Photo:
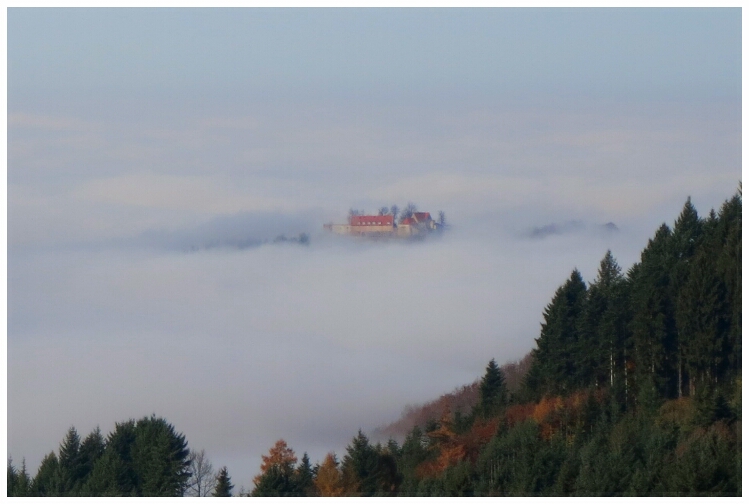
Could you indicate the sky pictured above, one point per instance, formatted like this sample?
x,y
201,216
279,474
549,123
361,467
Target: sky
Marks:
x,y
154,155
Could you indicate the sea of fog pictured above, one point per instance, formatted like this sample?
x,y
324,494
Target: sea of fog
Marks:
x,y
239,346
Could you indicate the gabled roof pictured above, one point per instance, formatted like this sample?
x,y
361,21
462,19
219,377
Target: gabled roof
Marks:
x,y
422,216
410,221
371,220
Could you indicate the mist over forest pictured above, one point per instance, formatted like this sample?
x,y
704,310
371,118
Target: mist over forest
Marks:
x,y
160,180
301,342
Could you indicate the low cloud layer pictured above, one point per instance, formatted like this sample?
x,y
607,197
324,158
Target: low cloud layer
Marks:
x,y
240,347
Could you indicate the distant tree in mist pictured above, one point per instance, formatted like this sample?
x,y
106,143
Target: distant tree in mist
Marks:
x,y
441,219
408,211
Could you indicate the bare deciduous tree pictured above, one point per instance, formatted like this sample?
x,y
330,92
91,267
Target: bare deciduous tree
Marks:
x,y
203,480
409,211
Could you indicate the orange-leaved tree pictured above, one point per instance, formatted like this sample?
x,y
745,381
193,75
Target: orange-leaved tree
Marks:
x,y
280,457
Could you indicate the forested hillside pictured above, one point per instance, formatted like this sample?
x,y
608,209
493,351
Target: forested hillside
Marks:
x,y
460,402
634,388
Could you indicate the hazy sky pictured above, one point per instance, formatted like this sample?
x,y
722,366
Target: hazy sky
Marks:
x,y
146,146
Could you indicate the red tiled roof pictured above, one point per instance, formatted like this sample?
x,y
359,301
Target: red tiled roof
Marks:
x,y
371,220
408,221
422,216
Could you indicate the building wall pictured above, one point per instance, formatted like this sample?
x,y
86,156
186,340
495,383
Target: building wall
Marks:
x,y
347,229
405,230
381,225
371,229
371,220
341,229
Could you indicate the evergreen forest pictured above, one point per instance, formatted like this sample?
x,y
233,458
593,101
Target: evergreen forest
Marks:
x,y
633,389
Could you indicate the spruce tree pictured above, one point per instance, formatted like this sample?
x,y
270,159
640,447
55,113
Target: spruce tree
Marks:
x,y
557,355
23,483
492,390
368,470
223,484
12,478
728,265
359,466
275,482
47,483
160,458
92,449
303,477
684,243
653,325
70,466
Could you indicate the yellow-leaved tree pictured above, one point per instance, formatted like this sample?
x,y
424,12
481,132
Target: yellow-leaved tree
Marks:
x,y
328,481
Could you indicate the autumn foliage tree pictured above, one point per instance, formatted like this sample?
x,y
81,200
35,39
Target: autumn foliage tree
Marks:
x,y
276,472
328,481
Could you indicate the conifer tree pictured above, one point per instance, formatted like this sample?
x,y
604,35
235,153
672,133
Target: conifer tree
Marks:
x,y
12,477
274,482
70,466
46,483
143,458
369,470
23,483
109,477
602,342
412,453
303,477
92,449
653,325
276,472
557,354
728,265
492,390
160,458
684,243
223,484
359,467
